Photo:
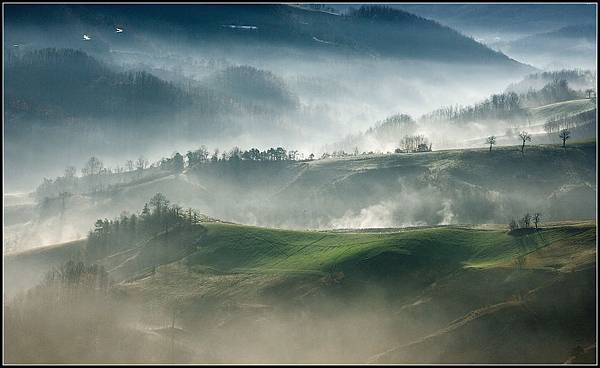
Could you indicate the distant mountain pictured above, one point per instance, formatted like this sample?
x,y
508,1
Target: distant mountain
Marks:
x,y
577,33
370,31
573,46
504,18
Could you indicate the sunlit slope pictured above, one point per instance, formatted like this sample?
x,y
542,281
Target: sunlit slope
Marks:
x,y
456,293
571,107
223,248
418,256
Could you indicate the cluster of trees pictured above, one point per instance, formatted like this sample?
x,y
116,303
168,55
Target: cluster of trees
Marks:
x,y
414,143
320,7
579,79
504,106
158,215
73,274
95,177
383,12
385,132
175,163
556,91
339,154
526,222
398,125
508,106
202,155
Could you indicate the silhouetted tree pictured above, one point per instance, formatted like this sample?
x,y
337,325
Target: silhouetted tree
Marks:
x,y
590,92
524,138
525,221
564,135
537,217
141,163
491,140
92,166
215,155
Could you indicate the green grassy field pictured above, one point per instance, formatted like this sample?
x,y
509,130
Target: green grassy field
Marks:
x,y
433,288
421,294
232,248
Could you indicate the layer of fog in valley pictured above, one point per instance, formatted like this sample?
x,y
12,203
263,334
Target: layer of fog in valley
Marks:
x,y
140,95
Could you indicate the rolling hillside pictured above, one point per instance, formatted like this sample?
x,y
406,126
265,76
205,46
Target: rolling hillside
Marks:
x,y
580,113
572,107
386,190
436,290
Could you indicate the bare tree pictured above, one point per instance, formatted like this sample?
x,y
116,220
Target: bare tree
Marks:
x,y
92,167
525,221
129,165
141,163
590,92
524,137
564,135
70,172
491,140
536,219
215,155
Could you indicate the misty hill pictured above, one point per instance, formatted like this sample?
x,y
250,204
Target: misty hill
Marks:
x,y
585,32
504,18
555,105
576,79
370,31
250,85
440,187
434,294
570,46
58,84
55,96
386,135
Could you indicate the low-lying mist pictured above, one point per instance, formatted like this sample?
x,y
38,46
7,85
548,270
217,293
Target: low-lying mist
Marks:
x,y
334,97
